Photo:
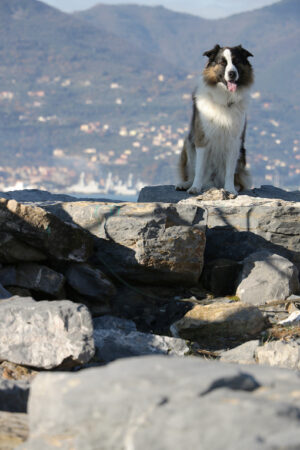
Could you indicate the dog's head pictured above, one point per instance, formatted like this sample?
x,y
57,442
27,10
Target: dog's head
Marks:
x,y
228,66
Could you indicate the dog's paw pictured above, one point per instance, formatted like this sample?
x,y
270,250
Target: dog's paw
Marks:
x,y
194,190
183,186
231,190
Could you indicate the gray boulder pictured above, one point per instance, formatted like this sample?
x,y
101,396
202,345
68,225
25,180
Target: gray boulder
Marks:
x,y
280,354
165,403
13,429
33,276
13,250
242,354
266,277
45,231
90,282
147,243
116,339
219,320
265,218
45,334
14,395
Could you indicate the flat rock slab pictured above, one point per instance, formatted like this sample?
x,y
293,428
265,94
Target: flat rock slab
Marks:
x,y
45,334
33,276
266,277
261,218
219,319
242,354
116,339
280,354
158,403
44,231
143,242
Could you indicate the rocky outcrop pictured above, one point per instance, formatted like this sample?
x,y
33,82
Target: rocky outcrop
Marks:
x,y
159,402
265,277
45,334
219,319
262,218
118,338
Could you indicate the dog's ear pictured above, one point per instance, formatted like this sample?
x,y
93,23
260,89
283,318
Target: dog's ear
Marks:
x,y
244,52
212,53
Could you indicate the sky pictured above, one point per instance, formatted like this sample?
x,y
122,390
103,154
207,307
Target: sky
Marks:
x,y
212,9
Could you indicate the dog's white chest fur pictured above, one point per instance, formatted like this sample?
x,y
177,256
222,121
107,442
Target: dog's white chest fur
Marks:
x,y
222,117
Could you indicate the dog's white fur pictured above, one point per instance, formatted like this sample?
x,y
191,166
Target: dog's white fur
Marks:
x,y
223,116
223,126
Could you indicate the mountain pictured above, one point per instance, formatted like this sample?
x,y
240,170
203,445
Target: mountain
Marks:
x,y
271,33
36,39
107,99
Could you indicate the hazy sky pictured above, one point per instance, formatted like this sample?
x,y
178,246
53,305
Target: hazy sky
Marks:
x,y
205,8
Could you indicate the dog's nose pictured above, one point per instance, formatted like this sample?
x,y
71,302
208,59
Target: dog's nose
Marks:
x,y
232,74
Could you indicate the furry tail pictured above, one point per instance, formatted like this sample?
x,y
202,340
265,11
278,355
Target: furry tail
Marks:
x,y
182,166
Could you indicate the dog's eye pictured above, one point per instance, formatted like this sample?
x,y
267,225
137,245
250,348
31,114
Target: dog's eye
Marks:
x,y
223,61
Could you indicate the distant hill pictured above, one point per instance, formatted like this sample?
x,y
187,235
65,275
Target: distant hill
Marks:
x,y
107,92
271,33
36,39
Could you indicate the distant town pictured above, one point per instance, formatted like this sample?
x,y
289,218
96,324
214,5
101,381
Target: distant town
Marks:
x,y
122,158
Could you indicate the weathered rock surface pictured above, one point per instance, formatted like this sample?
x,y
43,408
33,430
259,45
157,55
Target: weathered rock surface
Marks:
x,y
12,250
267,277
158,403
242,354
90,282
280,354
44,231
219,319
261,218
13,429
118,339
146,243
33,276
45,334
14,395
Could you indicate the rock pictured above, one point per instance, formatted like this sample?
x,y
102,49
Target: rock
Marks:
x,y
14,395
33,276
266,277
168,194
242,354
219,276
280,354
12,250
20,292
292,319
121,341
265,218
11,371
44,231
45,334
90,282
14,429
219,319
142,242
158,403
4,293
108,322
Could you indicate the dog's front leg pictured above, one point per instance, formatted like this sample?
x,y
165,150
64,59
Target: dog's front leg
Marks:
x,y
231,162
199,171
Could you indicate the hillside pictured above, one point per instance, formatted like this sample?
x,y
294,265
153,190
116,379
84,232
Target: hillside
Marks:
x,y
271,33
78,100
36,39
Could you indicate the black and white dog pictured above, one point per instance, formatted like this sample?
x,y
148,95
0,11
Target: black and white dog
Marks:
x,y
213,154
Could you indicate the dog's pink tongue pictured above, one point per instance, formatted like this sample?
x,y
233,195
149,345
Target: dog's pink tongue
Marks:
x,y
231,86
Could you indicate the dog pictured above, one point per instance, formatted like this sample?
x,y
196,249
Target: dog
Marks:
x,y
213,153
